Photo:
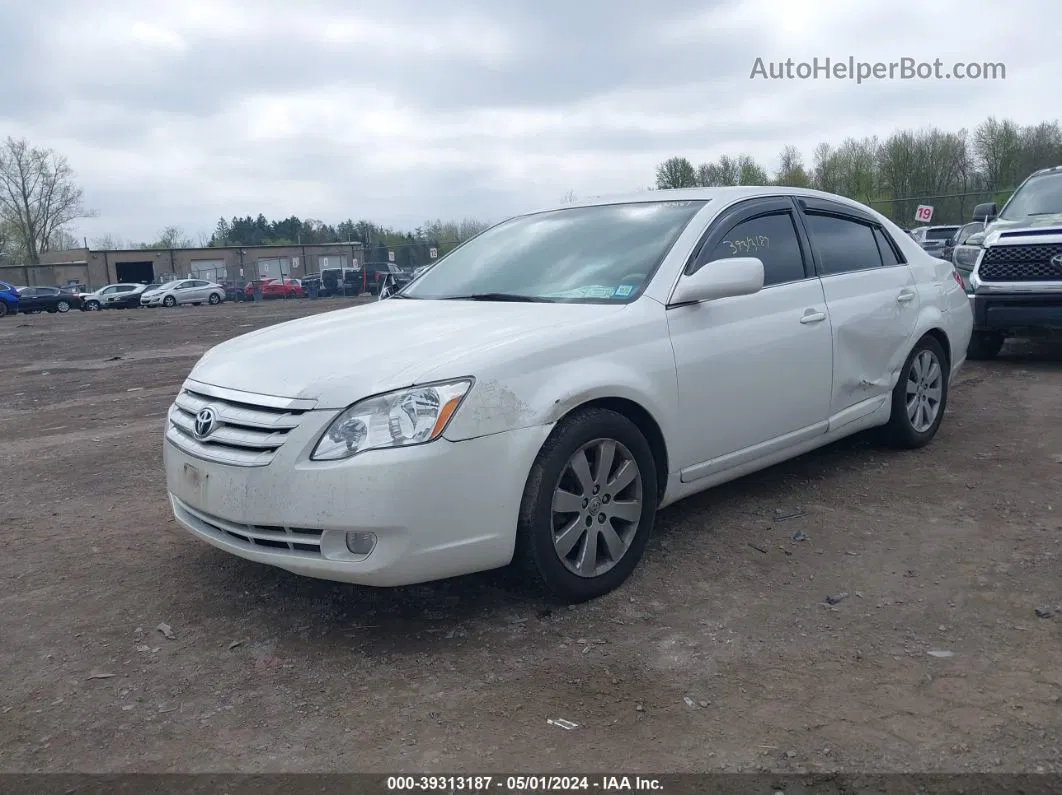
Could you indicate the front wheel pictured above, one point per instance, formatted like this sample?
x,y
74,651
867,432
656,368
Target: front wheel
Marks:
x,y
169,301
919,397
62,306
588,507
214,299
92,306
985,345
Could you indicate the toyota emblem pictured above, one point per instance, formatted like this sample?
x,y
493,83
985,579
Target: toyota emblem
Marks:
x,y
1057,260
205,422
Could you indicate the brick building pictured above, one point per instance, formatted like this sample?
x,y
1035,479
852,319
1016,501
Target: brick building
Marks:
x,y
95,269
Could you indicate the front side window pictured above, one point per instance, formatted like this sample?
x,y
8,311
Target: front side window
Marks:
x,y
770,238
605,253
1038,196
966,231
843,244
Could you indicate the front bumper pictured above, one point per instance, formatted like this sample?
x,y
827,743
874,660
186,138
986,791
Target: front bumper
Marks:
x,y
437,510
1004,311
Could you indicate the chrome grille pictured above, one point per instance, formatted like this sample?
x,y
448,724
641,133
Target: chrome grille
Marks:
x,y
1024,263
263,538
249,428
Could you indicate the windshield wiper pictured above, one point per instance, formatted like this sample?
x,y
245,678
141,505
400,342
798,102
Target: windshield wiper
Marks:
x,y
528,299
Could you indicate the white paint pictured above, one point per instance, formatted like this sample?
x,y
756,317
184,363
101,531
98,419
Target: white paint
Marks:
x,y
735,384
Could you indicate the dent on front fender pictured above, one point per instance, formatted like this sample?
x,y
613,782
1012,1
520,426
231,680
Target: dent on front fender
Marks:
x,y
490,407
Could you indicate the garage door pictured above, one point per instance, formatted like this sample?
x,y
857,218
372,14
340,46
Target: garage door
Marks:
x,y
212,270
274,267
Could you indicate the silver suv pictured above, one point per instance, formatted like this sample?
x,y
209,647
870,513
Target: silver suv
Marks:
x,y
1015,279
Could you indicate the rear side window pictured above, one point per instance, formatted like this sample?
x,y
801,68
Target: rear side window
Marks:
x,y
886,247
844,245
771,238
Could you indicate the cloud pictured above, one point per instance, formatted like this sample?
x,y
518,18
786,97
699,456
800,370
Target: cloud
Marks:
x,y
397,111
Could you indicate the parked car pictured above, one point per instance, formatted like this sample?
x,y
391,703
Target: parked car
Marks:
x,y
1013,269
47,299
559,378
113,296
959,238
933,238
275,288
8,299
184,291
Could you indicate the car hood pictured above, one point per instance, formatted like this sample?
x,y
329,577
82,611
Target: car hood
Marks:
x,y
342,356
1029,222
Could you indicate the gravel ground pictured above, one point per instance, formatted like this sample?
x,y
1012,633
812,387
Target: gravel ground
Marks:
x,y
722,653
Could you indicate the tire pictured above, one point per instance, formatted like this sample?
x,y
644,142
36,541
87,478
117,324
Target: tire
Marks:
x,y
92,306
918,382
169,301
985,345
537,555
3,308
214,299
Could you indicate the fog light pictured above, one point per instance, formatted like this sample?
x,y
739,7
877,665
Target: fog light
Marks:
x,y
361,543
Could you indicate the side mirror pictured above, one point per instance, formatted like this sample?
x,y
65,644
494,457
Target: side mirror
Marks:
x,y
985,212
721,278
949,242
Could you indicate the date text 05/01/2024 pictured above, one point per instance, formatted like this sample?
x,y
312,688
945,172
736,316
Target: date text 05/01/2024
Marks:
x,y
474,784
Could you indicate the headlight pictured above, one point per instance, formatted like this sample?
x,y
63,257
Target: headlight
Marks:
x,y
397,419
965,255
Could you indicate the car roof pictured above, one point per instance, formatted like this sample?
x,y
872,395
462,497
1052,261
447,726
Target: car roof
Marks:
x,y
723,194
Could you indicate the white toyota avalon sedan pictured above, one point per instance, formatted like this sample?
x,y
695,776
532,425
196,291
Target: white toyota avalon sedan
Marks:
x,y
543,389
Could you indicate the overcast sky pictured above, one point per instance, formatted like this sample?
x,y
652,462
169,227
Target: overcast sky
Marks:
x,y
403,110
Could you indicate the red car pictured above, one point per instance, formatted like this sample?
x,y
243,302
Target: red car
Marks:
x,y
275,288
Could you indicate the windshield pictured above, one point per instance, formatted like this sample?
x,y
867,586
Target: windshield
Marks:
x,y
1038,196
605,253
941,232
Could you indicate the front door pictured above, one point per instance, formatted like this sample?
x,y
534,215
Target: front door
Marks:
x,y
755,371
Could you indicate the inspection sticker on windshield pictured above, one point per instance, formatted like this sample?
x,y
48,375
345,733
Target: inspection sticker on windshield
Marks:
x,y
599,292
623,290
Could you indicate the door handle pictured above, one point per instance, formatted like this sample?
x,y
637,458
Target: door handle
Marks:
x,y
905,296
811,316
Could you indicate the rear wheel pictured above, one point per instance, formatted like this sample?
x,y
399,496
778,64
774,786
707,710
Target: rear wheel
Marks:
x,y
985,345
588,507
919,397
3,308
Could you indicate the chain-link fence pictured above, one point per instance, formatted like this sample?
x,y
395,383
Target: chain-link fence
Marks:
x,y
948,208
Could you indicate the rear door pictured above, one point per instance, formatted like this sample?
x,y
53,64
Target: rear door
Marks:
x,y
873,299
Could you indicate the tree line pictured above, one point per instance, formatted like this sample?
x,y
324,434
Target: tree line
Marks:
x,y
409,248
952,171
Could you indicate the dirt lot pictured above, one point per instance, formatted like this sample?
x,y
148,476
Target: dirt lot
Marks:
x,y
952,548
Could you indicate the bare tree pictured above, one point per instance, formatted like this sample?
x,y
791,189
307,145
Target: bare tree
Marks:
x,y
569,198
676,172
38,196
171,237
791,171
997,145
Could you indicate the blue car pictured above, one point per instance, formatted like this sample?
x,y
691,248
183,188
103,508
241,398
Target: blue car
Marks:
x,y
8,299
